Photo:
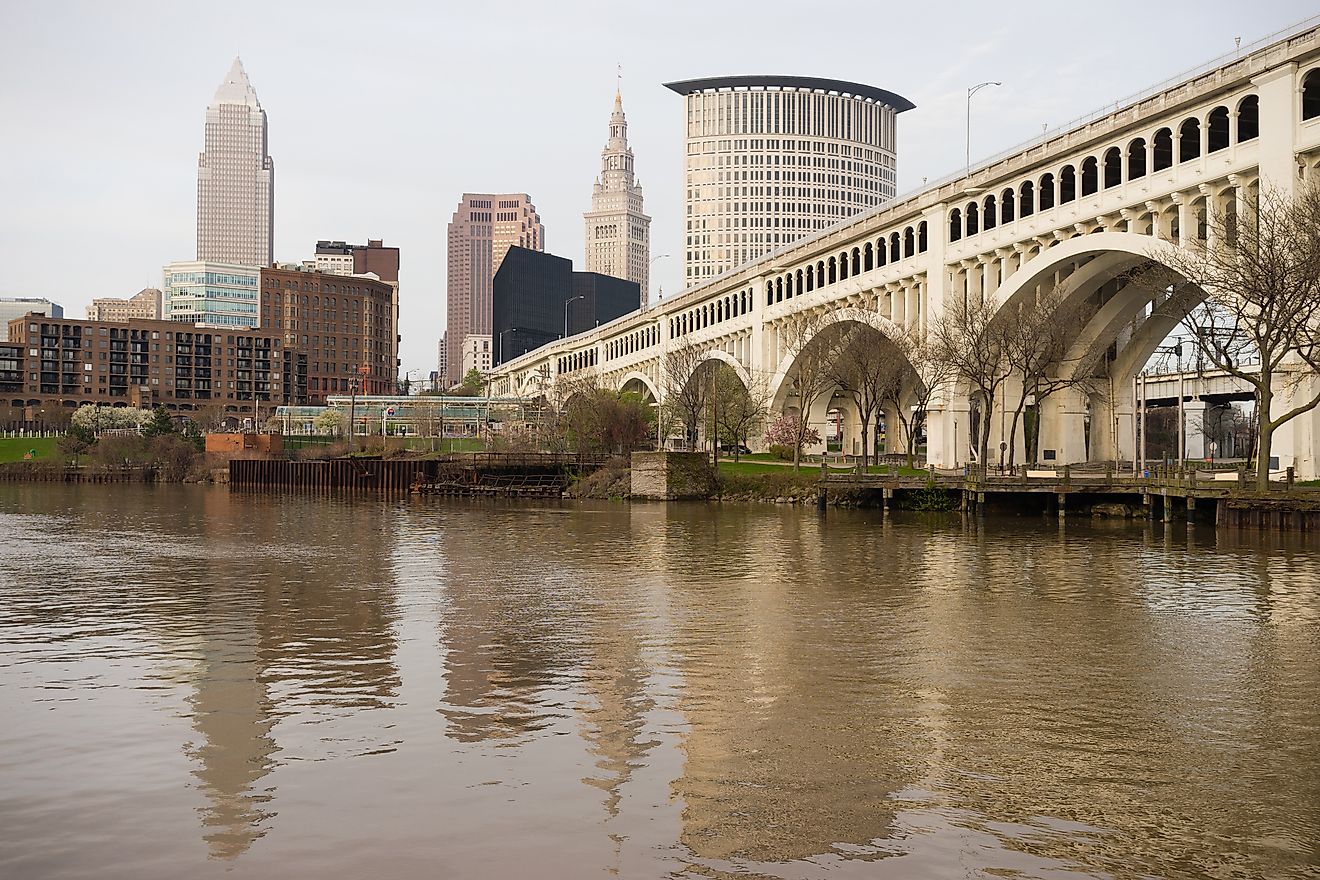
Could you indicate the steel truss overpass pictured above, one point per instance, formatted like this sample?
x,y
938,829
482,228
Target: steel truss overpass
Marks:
x,y
1082,205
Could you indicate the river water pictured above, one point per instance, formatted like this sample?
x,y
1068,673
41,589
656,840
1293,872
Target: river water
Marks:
x,y
195,683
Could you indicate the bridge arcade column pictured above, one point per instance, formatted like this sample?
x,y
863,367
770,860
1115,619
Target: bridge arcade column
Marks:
x,y
1277,89
1180,201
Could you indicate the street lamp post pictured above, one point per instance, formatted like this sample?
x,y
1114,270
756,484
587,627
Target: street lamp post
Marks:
x,y
972,91
646,294
352,407
567,303
500,348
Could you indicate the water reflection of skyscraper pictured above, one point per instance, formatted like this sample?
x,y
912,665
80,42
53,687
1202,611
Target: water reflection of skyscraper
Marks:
x,y
504,645
790,753
284,639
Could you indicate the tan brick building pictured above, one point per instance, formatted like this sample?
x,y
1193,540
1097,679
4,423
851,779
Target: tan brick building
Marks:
x,y
145,305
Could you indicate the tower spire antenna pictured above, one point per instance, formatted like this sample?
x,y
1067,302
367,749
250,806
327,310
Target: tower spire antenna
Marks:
x,y
618,80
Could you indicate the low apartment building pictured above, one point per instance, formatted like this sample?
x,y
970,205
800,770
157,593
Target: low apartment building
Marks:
x,y
68,362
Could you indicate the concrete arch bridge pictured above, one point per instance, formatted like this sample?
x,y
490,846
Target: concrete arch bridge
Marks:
x,y
1075,210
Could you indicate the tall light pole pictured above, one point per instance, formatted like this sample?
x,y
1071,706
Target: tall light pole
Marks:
x,y
972,91
501,345
646,294
567,303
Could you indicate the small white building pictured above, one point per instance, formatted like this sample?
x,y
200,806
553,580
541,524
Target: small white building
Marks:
x,y
476,353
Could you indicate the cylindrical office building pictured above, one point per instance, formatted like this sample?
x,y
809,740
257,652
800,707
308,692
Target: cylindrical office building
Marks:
x,y
772,159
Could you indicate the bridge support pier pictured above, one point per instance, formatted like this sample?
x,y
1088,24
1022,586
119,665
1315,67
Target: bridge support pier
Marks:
x,y
1063,426
1063,504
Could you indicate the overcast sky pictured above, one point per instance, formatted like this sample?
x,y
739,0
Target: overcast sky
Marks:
x,y
382,114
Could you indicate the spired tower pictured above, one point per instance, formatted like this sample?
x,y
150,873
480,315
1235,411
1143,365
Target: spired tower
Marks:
x,y
618,233
236,178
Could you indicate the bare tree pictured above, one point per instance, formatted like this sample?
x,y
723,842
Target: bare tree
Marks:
x,y
684,399
805,345
871,370
928,372
737,408
975,345
1037,336
1260,322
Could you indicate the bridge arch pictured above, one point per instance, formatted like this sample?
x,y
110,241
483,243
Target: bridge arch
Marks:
x,y
639,382
829,323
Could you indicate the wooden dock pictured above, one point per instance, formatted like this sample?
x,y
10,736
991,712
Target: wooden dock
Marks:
x,y
1224,497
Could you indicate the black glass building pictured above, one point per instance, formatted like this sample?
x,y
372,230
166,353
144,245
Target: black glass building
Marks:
x,y
536,297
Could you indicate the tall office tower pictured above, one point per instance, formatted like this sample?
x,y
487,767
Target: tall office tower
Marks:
x,y
772,159
235,179
483,229
618,233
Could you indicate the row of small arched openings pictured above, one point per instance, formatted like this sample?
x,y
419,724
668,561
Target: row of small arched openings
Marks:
x,y
711,313
633,342
578,360
1106,171
872,255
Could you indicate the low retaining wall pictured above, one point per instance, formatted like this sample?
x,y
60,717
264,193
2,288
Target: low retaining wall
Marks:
x,y
395,476
671,476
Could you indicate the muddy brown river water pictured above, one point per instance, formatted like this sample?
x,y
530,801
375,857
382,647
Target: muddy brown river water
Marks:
x,y
195,683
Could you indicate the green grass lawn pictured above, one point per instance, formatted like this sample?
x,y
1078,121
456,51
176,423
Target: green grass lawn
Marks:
x,y
14,448
766,464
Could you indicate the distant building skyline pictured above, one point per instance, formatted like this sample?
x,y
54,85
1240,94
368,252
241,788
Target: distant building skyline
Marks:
x,y
483,228
236,178
145,305
17,306
618,232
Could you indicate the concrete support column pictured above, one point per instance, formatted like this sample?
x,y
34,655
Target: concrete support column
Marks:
x,y
1277,89
1194,416
1294,440
895,436
946,430
1063,426
1212,213
852,428
1181,202
816,418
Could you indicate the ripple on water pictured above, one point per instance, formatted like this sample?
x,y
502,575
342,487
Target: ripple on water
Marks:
x,y
214,684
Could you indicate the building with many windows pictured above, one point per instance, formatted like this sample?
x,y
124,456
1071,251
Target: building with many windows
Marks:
x,y
67,362
772,159
236,178
342,325
476,354
145,305
538,298
16,307
482,230
215,294
372,258
618,234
